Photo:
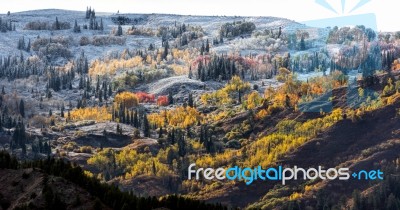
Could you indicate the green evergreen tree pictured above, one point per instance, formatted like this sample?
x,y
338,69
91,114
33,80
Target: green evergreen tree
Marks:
x,y
101,25
302,43
170,98
119,129
160,132
28,47
190,72
119,30
165,53
190,100
136,120
181,145
393,203
77,28
154,168
146,126
58,27
207,46
22,108
62,110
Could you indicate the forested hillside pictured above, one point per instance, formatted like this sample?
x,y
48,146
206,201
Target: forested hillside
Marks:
x,y
117,106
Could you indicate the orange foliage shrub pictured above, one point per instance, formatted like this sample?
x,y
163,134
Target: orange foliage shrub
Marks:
x,y
396,65
262,114
127,99
162,101
145,97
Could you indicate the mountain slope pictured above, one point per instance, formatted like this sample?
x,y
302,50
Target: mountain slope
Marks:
x,y
35,189
358,145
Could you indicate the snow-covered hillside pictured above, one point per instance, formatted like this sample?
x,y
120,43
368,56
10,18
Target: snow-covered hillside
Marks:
x,y
210,25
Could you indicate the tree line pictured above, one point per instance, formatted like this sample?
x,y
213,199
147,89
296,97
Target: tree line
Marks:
x,y
109,195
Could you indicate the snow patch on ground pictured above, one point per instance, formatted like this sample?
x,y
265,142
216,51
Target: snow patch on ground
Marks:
x,y
163,86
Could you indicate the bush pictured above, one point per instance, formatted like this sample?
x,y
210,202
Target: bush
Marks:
x,y
255,87
108,40
141,31
39,121
39,25
137,76
70,146
145,97
136,133
121,20
125,80
40,42
43,42
36,25
84,41
162,101
54,51
236,29
85,149
234,144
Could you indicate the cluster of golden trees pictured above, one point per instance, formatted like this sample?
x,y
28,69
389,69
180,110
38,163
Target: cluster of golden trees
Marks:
x,y
290,94
253,100
268,149
180,58
129,163
181,117
233,91
111,66
127,99
293,91
90,113
289,136
218,160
